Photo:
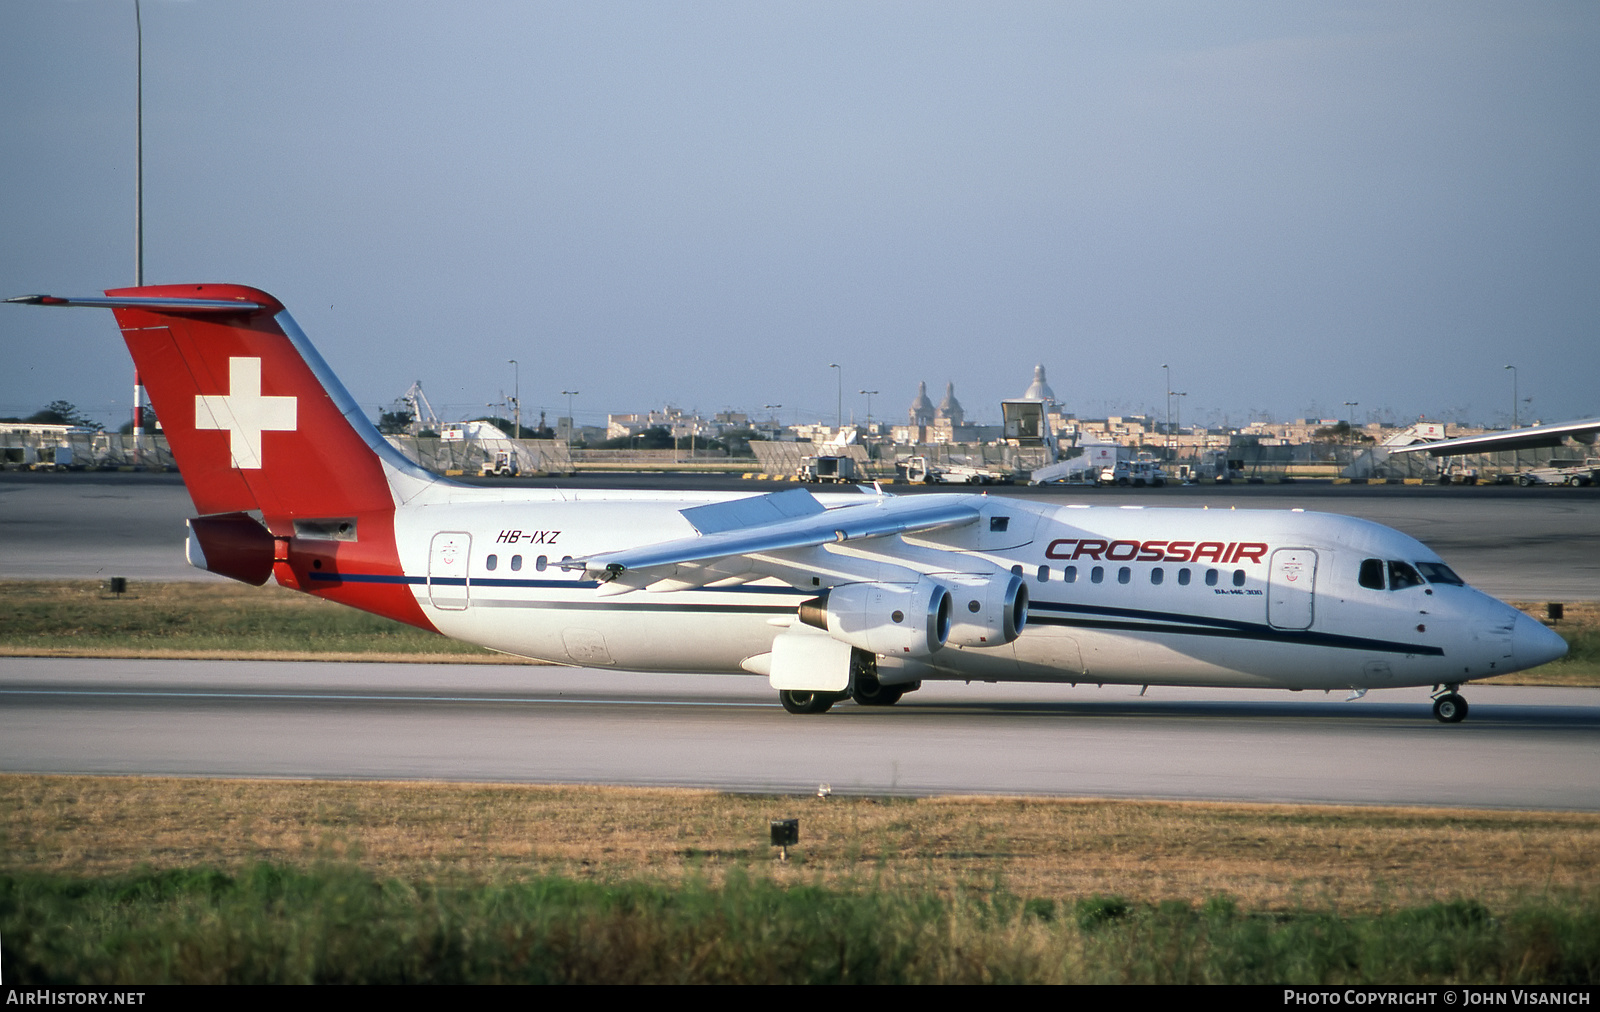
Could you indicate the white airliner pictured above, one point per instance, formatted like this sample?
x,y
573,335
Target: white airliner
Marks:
x,y
1583,431
863,596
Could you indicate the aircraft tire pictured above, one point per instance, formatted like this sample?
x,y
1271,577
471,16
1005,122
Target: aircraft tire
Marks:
x,y
885,695
1450,708
865,688
796,701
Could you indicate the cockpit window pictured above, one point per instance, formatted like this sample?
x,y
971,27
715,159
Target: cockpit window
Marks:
x,y
1401,576
1372,574
1438,572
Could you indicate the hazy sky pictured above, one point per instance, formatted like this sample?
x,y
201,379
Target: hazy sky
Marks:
x,y
1294,205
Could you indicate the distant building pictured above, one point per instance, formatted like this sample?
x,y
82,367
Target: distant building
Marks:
x,y
1039,390
949,410
922,410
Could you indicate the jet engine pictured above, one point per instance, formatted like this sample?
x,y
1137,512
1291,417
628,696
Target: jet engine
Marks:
x,y
899,619
989,611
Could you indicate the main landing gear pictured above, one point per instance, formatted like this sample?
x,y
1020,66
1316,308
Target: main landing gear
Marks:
x,y
865,689
1449,706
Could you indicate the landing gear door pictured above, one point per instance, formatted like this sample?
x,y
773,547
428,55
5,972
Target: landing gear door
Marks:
x,y
1290,582
447,570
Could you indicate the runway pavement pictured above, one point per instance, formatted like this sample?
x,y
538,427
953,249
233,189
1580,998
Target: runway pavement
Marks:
x,y
1520,748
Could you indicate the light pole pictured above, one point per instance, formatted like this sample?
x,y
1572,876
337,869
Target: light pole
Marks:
x,y
838,417
571,421
138,207
1168,370
1513,369
869,394
1350,433
516,401
1178,429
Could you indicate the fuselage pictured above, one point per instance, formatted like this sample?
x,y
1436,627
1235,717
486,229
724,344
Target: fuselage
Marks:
x,y
1117,594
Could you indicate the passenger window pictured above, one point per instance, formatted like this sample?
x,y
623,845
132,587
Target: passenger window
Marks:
x,y
1183,577
491,562
1211,578
1238,578
540,563
516,563
1124,574
1017,569
1044,574
1097,575
1156,576
1372,574
1070,574
1401,576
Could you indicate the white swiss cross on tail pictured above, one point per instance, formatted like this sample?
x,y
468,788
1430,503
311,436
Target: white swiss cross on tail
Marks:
x,y
244,412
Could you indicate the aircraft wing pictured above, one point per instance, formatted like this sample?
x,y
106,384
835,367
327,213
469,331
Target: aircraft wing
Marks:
x,y
1583,431
736,535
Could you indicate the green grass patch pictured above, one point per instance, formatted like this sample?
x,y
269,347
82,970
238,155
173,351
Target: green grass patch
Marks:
x,y
1581,666
199,619
271,924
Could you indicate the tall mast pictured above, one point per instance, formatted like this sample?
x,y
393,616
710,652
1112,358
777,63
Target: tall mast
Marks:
x,y
138,203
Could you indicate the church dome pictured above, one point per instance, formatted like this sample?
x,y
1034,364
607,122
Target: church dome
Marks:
x,y
1039,390
922,408
950,407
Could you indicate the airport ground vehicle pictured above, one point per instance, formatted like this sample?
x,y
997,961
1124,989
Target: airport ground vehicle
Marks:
x,y
1560,471
828,468
503,465
1134,473
919,470
858,595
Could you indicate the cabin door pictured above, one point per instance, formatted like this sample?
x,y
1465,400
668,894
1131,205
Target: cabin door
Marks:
x,y
447,570
1291,601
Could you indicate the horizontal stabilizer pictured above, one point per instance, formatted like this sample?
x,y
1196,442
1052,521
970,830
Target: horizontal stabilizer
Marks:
x,y
166,305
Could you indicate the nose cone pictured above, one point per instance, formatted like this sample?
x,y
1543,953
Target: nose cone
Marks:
x,y
1532,644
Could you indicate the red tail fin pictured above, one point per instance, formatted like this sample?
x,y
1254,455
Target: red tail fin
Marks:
x,y
251,423
259,424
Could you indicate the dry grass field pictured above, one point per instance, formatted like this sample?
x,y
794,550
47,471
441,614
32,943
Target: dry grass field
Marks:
x,y
1263,857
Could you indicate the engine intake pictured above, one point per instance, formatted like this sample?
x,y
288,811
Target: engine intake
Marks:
x,y
898,619
989,611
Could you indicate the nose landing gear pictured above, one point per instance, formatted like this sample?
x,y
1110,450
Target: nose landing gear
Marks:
x,y
1449,707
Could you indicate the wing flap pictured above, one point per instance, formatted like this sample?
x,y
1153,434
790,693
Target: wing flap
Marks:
x,y
755,511
743,551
